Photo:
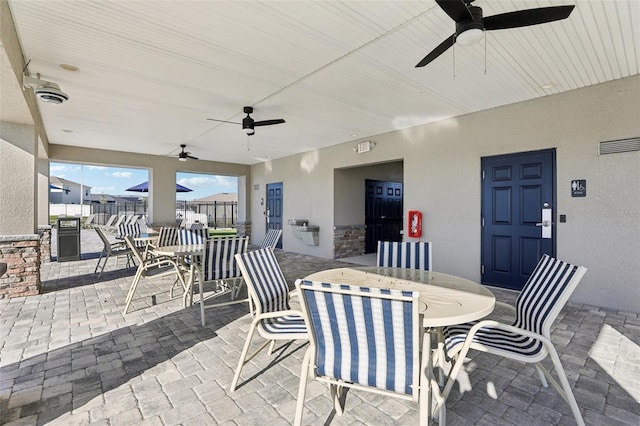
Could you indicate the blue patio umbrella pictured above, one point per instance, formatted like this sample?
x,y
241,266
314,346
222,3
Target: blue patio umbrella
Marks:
x,y
51,186
144,187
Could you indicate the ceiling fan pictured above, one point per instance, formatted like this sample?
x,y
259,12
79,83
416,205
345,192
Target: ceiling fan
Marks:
x,y
184,155
470,24
248,123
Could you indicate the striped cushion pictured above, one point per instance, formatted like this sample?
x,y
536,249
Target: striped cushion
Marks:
x,y
219,261
265,280
168,236
538,305
271,239
408,254
286,324
193,236
363,338
133,230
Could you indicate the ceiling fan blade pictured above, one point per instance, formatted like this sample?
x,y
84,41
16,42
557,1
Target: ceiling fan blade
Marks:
x,y
192,157
456,9
442,47
268,122
523,18
223,121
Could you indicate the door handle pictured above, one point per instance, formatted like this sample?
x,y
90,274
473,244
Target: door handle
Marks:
x,y
545,224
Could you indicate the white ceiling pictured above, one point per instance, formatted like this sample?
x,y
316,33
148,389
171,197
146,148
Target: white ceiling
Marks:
x,y
151,72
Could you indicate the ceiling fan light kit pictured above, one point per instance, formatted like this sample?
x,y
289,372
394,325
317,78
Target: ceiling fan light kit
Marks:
x,y
184,155
248,123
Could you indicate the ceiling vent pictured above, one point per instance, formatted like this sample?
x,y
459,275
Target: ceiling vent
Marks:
x,y
618,146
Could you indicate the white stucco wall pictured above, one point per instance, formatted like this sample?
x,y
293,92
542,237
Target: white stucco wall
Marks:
x,y
18,177
442,179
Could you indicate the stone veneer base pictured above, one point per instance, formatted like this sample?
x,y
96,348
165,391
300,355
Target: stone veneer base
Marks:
x,y
21,253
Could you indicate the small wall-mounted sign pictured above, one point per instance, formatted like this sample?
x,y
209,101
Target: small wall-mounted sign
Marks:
x,y
579,188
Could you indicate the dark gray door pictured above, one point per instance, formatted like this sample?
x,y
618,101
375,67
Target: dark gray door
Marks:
x,y
383,213
274,208
516,189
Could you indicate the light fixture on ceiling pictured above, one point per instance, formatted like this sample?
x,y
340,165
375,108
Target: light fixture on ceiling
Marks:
x,y
46,91
547,86
68,67
182,157
248,130
470,36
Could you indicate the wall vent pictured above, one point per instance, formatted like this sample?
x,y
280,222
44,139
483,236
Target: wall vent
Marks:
x,y
620,145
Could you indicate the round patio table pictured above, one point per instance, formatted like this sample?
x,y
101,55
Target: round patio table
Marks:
x,y
445,300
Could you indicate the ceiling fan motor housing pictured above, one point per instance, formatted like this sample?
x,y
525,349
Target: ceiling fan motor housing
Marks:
x,y
476,23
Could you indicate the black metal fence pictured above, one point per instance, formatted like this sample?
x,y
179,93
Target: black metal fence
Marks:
x,y
216,214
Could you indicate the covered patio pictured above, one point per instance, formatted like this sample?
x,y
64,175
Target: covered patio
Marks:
x,y
69,356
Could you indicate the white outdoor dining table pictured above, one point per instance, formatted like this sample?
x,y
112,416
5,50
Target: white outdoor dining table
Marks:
x,y
445,300
180,252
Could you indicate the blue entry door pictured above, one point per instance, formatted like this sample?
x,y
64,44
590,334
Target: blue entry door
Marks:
x,y
274,208
518,196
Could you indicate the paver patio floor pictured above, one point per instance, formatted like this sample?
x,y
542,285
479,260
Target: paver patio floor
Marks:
x,y
69,356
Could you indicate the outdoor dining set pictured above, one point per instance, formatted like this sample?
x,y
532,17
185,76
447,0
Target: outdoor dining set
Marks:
x,y
399,328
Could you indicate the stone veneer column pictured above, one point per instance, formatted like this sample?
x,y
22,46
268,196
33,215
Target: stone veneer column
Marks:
x,y
45,243
349,240
21,253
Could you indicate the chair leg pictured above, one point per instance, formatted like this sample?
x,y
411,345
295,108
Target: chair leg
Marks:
x,y
335,396
565,391
200,279
98,264
106,259
133,287
543,379
302,388
243,356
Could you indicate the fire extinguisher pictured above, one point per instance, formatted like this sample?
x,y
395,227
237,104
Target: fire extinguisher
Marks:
x,y
415,224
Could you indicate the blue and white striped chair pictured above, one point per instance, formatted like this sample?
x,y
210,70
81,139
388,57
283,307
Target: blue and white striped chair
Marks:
x,y
193,236
362,338
131,230
528,339
219,266
168,237
271,239
274,319
407,254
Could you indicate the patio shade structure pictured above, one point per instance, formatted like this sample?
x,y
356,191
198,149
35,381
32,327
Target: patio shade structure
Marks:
x,y
144,187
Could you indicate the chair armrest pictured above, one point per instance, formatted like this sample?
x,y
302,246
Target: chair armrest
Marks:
x,y
277,314
506,327
505,305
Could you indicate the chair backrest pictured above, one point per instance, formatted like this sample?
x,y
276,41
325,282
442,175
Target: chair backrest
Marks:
x,y
219,260
367,336
197,225
271,239
545,294
135,250
168,236
265,281
132,230
407,254
105,241
111,220
193,236
89,219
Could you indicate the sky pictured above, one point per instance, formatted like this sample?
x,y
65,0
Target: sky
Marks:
x,y
115,180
